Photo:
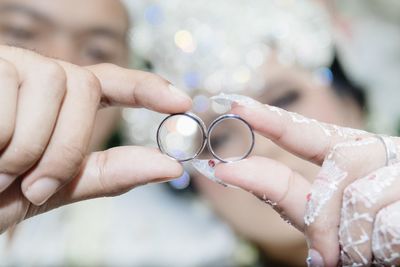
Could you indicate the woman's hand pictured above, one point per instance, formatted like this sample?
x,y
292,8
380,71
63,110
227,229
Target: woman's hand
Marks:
x,y
47,113
351,213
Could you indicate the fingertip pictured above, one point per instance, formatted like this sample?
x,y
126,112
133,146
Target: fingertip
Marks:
x,y
255,117
181,101
176,169
241,111
163,97
323,238
167,167
259,119
314,259
181,106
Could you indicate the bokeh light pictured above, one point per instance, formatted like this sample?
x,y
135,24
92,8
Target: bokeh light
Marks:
x,y
184,40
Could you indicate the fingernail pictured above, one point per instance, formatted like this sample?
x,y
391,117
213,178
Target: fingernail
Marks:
x,y
227,100
207,168
5,181
178,92
314,259
41,190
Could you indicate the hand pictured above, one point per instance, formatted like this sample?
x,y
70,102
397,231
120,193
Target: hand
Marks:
x,y
47,113
351,213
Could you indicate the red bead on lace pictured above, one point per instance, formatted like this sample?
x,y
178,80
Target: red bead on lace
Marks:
x,y
211,163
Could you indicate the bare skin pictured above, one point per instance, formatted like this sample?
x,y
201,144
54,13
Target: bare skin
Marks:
x,y
49,106
295,90
342,212
97,34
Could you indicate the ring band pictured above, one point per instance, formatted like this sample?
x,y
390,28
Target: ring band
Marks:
x,y
392,156
200,124
219,120
206,137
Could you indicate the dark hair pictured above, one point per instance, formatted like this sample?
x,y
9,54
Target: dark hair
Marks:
x,y
345,87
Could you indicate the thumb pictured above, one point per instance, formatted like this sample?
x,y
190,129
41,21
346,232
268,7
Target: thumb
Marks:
x,y
116,171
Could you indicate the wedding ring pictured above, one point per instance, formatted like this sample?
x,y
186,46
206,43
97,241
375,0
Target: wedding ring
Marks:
x,y
184,136
221,119
190,120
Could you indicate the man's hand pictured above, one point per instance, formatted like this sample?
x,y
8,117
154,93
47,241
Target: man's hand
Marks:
x,y
47,113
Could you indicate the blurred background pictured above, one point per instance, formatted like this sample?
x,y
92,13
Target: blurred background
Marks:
x,y
335,61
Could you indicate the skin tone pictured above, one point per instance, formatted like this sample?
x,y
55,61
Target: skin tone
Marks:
x,y
295,90
118,170
341,211
44,157
97,34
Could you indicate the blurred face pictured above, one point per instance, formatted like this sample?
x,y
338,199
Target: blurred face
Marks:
x,y
81,32
294,90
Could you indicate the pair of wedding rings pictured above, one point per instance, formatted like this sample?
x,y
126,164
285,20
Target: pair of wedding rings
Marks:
x,y
184,137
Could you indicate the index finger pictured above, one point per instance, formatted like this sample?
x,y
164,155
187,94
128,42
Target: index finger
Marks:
x,y
119,86
307,138
134,88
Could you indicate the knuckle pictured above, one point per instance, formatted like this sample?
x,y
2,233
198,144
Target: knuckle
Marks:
x,y
72,154
68,160
109,184
353,200
52,69
345,154
30,153
53,74
337,152
22,157
91,85
6,132
106,66
102,162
